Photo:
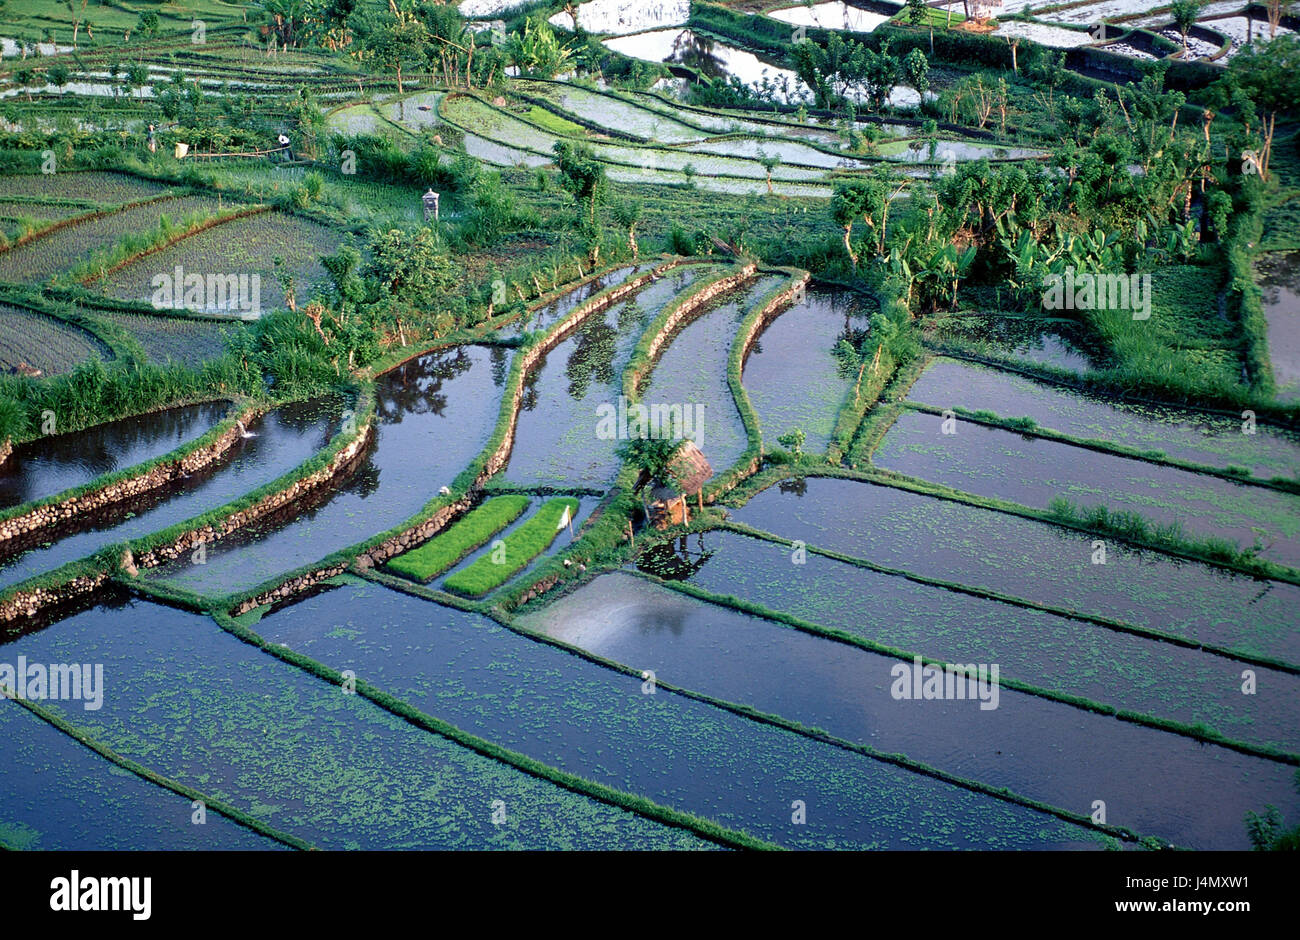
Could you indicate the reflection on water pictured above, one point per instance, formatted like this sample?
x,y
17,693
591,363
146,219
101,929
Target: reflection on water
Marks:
x,y
793,378
435,413
556,440
1279,279
49,465
1159,783
280,440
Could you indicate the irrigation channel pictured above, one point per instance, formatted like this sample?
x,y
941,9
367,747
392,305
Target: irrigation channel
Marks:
x,y
731,686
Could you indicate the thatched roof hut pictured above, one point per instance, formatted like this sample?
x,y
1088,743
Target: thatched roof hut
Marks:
x,y
690,471
688,465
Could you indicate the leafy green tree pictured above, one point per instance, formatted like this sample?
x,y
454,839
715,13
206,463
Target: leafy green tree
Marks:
x,y
137,76
58,75
396,41
652,456
537,51
880,73
1185,14
830,70
413,268
848,202
1268,77
582,175
770,162
916,68
146,24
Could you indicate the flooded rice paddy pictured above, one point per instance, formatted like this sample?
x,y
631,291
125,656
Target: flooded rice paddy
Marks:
x,y
335,770
558,440
1038,748
277,443
572,713
1211,439
781,690
992,462
792,378
1016,557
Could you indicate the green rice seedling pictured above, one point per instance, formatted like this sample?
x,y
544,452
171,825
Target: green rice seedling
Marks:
x,y
517,549
464,536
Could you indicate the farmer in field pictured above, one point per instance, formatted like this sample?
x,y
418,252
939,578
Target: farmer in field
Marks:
x,y
284,145
153,141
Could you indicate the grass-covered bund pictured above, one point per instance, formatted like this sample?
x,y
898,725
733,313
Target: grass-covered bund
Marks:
x,y
471,531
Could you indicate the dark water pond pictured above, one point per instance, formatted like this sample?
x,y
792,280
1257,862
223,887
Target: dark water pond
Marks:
x,y
792,378
1057,344
1033,471
557,441
1216,440
1158,783
1279,279
284,438
49,465
435,414
200,706
1048,651
1023,558
593,721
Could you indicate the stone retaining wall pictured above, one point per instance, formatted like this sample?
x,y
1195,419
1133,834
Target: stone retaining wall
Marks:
x,y
210,533
30,603
692,306
48,515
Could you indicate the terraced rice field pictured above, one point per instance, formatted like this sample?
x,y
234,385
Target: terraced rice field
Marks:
x,y
40,210
654,162
1279,280
317,751
1061,655
729,673
176,339
48,465
834,15
978,459
57,251
556,440
692,371
50,782
508,687
92,186
279,441
1214,440
244,246
1047,565
792,378
39,342
1038,748
415,453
